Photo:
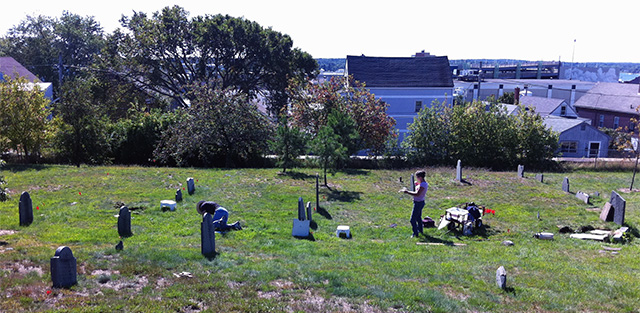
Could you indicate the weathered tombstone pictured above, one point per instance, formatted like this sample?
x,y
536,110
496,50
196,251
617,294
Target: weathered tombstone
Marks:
x,y
301,225
309,211
413,183
565,184
124,222
501,277
582,196
619,205
301,210
317,192
191,186
178,195
25,209
521,171
459,171
596,194
63,268
207,236
540,177
607,214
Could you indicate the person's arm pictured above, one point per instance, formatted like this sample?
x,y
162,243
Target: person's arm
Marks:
x,y
413,193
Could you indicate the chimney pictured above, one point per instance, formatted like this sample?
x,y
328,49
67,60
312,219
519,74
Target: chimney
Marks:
x,y
573,95
549,91
516,95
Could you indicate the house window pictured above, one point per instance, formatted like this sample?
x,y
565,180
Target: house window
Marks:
x,y
616,122
601,123
569,147
418,106
563,110
583,127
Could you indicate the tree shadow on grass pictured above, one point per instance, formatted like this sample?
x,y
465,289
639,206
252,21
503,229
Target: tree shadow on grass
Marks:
x,y
15,168
431,239
297,175
352,171
343,196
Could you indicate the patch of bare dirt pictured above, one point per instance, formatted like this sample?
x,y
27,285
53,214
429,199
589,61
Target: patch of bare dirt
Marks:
x,y
136,283
4,232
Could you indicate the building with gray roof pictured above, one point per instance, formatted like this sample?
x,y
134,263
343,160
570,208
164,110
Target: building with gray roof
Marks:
x,y
610,105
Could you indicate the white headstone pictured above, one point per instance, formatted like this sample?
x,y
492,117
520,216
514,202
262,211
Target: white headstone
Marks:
x,y
459,171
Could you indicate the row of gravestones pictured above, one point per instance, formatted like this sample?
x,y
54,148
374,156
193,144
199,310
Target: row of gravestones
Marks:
x,y
613,211
63,263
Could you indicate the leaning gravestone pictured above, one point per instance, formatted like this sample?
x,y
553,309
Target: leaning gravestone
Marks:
x,y
309,211
178,195
619,205
63,268
207,236
191,186
565,184
124,222
459,171
521,171
607,214
540,177
25,209
501,277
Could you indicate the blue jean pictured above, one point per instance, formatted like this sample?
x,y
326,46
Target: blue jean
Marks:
x,y
416,217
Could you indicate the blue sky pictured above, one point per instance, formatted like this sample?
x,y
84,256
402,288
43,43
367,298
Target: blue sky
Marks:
x,y
604,31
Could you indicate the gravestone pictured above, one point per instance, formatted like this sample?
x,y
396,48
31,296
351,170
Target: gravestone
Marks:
x,y
301,225
582,196
607,214
619,205
25,209
413,183
191,186
301,210
540,177
178,195
565,184
309,211
124,222
459,171
207,236
501,277
63,268
521,171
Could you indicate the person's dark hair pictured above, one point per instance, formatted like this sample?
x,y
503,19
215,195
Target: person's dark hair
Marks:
x,y
421,174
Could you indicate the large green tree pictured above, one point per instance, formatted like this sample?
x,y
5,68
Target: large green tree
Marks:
x,y
54,49
23,116
168,52
288,144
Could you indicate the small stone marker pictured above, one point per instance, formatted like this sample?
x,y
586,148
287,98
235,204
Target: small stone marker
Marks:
x,y
178,195
207,236
25,209
619,205
507,243
540,177
521,171
582,196
63,268
501,277
596,194
565,184
607,214
459,171
191,186
124,222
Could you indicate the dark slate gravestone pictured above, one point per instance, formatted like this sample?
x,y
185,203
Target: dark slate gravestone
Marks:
x,y
501,277
25,209
607,214
459,171
178,195
301,210
521,171
309,211
618,204
207,236
191,186
413,183
565,184
63,268
540,177
124,222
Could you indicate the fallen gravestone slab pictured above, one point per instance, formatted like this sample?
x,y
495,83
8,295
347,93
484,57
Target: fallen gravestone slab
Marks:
x,y
582,196
63,268
607,214
507,243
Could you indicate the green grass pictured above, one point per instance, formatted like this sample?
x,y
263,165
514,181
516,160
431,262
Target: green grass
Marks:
x,y
264,269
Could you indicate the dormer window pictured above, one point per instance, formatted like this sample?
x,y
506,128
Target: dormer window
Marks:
x,y
563,110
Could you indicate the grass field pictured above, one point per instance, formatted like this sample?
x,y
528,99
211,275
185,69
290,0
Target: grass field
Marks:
x,y
262,268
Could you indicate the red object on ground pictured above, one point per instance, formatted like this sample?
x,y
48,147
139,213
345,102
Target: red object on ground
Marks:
x,y
48,292
80,193
37,208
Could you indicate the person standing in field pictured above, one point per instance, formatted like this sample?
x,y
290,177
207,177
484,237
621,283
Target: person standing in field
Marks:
x,y
418,202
